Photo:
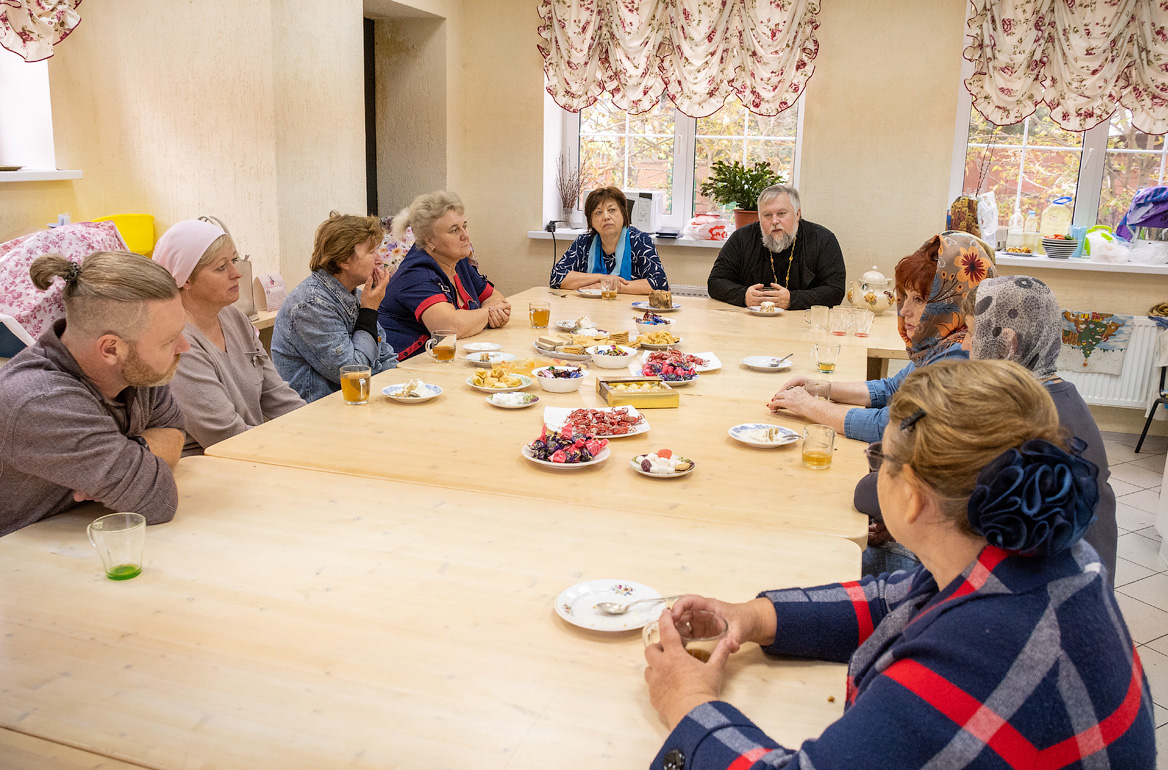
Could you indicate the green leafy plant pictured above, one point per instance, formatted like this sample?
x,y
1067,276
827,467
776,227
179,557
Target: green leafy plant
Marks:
x,y
737,185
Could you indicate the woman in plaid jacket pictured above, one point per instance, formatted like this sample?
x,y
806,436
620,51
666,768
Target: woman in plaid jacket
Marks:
x,y
1006,649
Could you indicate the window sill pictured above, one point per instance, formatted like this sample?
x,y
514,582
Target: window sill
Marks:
x,y
570,234
39,175
1081,264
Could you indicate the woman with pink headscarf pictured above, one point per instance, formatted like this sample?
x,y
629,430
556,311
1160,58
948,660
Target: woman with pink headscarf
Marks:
x,y
226,382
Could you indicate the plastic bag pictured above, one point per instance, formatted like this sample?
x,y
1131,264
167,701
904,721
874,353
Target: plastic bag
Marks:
x,y
1149,252
1102,246
708,227
987,218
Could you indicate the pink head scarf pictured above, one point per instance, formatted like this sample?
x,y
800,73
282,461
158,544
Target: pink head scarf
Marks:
x,y
182,246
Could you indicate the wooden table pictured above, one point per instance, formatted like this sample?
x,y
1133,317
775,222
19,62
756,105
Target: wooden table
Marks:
x,y
472,445
286,619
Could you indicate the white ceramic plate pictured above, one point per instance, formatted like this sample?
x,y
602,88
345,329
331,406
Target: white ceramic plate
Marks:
x,y
392,391
765,363
635,464
594,293
481,347
651,346
644,305
570,327
492,357
738,433
562,356
577,605
532,400
604,455
523,379
555,416
757,310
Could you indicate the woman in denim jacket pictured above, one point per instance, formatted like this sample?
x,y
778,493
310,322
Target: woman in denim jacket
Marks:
x,y
930,284
326,322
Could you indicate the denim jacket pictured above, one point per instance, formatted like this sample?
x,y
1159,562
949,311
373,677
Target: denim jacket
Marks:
x,y
314,337
868,424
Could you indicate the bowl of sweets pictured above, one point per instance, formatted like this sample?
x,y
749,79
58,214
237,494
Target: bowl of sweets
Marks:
x,y
651,322
565,449
560,379
611,356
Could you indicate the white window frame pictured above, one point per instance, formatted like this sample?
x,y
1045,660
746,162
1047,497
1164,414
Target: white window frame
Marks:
x,y
567,140
1088,184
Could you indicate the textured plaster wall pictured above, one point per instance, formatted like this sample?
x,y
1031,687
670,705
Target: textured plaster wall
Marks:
x,y
411,74
318,114
168,115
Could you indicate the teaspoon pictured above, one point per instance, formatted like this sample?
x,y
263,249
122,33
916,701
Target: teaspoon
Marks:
x,y
613,608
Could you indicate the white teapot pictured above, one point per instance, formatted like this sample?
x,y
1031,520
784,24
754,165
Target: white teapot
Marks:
x,y
871,292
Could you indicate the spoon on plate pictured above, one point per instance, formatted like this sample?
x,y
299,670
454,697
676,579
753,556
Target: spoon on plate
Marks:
x,y
777,362
615,608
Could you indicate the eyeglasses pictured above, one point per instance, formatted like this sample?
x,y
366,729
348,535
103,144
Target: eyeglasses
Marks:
x,y
875,455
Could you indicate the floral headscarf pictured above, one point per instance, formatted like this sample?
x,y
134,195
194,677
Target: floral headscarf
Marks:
x,y
1027,308
963,261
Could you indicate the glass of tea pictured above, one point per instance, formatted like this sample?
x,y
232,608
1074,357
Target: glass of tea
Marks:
x,y
700,632
355,383
441,345
609,288
539,313
825,357
818,445
119,538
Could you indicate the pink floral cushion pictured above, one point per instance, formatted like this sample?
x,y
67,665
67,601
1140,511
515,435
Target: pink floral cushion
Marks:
x,y
34,309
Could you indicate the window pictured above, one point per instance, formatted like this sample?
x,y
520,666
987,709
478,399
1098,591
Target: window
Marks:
x,y
1035,162
663,149
1027,165
1133,160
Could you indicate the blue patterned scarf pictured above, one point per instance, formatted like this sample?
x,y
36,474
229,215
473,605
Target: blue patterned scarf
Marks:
x,y
624,256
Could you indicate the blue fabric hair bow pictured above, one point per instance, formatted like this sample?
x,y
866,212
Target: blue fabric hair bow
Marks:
x,y
1035,501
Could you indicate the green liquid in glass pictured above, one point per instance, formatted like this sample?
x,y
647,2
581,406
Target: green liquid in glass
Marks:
x,y
124,572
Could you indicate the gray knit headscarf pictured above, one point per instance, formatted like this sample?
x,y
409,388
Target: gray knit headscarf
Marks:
x,y
1027,307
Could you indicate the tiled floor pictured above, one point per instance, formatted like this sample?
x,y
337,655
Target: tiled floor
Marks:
x,y
1141,578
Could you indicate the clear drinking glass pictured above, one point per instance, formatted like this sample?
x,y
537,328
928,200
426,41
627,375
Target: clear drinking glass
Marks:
x,y
700,633
355,383
119,539
818,445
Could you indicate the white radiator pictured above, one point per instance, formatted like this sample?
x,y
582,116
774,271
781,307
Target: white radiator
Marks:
x,y
688,290
1136,386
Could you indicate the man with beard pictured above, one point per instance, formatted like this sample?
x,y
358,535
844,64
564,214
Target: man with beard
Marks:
x,y
85,413
781,259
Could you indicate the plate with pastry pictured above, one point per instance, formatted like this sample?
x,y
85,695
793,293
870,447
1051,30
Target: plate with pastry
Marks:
x,y
490,357
589,292
762,435
767,309
413,392
643,306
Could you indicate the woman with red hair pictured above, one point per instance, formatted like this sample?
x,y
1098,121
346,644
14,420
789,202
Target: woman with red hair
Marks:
x,y
930,284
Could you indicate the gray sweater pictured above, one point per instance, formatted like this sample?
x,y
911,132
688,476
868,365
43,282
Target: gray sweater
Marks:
x,y
225,392
59,434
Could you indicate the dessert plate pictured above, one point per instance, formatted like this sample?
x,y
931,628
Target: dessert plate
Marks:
x,y
394,392
765,363
577,605
530,455
747,434
643,305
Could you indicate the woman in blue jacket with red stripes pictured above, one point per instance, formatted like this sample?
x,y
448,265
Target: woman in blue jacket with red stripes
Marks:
x,y
1005,649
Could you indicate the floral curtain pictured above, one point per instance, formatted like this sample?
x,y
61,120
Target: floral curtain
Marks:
x,y
30,28
1081,57
697,52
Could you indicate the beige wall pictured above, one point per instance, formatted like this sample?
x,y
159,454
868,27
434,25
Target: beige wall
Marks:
x,y
411,76
259,121
318,114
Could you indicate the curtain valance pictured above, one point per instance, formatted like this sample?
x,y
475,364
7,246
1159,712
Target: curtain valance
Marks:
x,y
1080,57
30,28
697,52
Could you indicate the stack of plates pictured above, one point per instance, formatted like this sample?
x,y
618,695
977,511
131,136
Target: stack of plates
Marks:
x,y
1059,248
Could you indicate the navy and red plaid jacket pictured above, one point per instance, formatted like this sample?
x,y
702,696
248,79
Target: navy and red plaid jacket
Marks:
x,y
1019,663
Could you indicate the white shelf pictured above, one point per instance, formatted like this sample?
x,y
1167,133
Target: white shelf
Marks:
x,y
39,175
571,234
1045,262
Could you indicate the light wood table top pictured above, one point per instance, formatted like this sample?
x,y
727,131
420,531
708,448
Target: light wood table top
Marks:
x,y
459,440
285,619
